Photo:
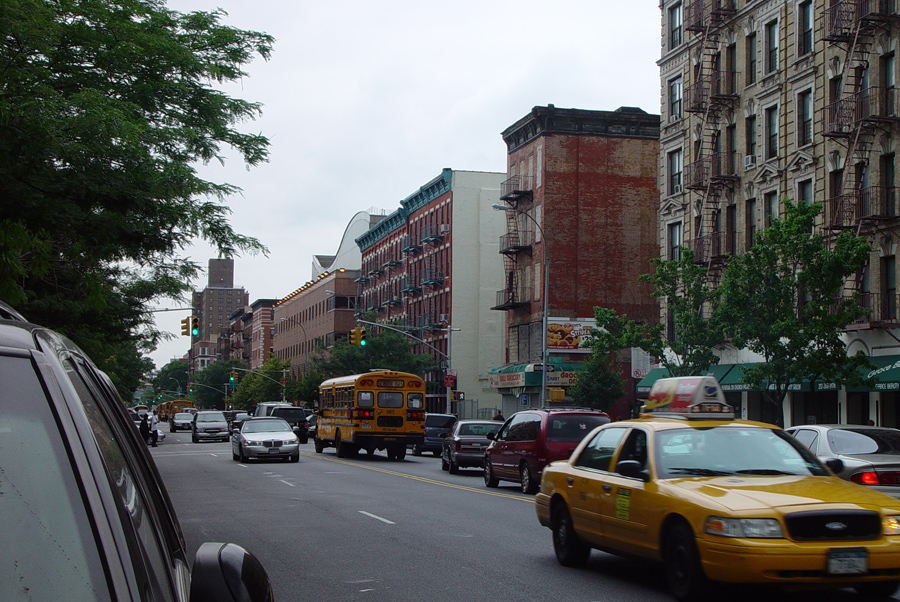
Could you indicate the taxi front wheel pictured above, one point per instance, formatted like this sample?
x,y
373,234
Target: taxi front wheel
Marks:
x,y
570,551
877,589
685,575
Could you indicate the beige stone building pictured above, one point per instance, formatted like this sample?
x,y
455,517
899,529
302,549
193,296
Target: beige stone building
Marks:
x,y
764,100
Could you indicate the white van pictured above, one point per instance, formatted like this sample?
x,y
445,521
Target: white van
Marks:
x,y
265,408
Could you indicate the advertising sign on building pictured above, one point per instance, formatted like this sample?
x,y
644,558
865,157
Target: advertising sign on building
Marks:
x,y
569,335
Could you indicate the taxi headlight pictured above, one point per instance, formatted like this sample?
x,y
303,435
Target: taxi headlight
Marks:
x,y
890,525
743,527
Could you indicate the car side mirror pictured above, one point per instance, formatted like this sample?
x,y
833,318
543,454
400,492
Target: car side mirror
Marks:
x,y
632,469
225,572
835,465
492,436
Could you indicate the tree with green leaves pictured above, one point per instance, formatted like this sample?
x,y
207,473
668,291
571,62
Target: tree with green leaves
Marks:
x,y
106,108
172,377
782,300
263,384
599,384
209,384
384,349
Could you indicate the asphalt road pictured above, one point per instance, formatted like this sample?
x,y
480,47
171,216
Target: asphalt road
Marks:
x,y
329,529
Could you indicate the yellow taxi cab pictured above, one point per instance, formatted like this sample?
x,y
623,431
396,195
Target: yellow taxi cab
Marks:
x,y
717,499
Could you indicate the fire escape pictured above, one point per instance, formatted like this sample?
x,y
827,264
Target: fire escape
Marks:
x,y
712,92
853,120
409,284
431,275
517,191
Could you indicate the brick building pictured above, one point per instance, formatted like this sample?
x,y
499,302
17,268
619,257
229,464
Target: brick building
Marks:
x,y
428,268
214,306
581,203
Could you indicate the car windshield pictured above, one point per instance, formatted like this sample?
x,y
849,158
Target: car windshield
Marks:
x,y
266,426
438,421
732,450
211,417
479,428
864,441
183,416
573,427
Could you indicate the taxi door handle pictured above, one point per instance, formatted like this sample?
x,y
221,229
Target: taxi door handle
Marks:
x,y
607,488
570,480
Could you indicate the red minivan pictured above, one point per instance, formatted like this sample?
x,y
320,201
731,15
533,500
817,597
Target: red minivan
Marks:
x,y
531,439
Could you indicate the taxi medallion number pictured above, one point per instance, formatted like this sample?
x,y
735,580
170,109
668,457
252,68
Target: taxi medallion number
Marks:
x,y
847,562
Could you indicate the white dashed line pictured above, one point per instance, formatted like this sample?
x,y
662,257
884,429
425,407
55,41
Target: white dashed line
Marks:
x,y
376,517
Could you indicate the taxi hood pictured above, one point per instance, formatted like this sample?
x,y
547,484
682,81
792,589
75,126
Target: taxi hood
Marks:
x,y
744,493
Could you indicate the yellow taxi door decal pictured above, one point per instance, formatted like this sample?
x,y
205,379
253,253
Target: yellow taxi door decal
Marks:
x,y
623,504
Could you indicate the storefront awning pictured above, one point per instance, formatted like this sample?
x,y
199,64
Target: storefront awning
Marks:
x,y
530,375
733,379
719,371
886,374
647,382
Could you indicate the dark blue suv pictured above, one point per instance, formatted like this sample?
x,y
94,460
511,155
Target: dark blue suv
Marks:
x,y
436,428
85,513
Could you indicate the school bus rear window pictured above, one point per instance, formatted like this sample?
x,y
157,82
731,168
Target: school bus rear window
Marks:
x,y
390,399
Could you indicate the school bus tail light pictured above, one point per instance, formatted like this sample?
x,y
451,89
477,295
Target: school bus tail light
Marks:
x,y
415,415
365,414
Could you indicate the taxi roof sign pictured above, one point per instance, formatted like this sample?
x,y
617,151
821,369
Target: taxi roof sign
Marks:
x,y
689,397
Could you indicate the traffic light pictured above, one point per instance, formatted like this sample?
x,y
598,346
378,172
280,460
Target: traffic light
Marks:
x,y
186,327
233,376
362,336
354,336
195,326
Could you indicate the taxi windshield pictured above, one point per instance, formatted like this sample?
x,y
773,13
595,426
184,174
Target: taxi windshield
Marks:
x,y
731,450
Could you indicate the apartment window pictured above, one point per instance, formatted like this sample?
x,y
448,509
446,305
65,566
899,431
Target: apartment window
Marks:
x,y
889,286
771,42
728,161
805,192
771,132
887,180
731,230
770,202
750,132
675,169
731,69
804,28
675,99
888,82
750,217
804,118
675,26
751,58
675,241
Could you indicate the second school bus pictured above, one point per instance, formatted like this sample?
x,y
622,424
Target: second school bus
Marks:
x,y
373,411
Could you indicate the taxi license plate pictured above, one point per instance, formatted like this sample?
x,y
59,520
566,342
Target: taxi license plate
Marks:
x,y
847,562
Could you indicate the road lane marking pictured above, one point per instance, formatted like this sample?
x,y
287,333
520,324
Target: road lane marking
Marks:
x,y
421,479
286,483
376,517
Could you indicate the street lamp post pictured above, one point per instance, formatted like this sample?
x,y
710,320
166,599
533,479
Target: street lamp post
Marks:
x,y
546,285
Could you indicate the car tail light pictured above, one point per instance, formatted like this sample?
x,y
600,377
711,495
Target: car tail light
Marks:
x,y
415,415
889,477
870,477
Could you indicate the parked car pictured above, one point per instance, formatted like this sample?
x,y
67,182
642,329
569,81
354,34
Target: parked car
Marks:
x,y
296,417
870,454
181,421
464,445
98,524
531,439
265,437
311,420
436,428
209,425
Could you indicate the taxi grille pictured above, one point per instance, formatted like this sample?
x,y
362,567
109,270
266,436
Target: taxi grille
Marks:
x,y
391,422
839,525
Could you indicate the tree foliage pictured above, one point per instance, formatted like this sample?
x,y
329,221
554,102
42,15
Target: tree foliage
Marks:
x,y
599,384
782,300
105,109
209,385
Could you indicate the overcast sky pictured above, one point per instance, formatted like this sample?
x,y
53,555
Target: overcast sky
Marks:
x,y
364,101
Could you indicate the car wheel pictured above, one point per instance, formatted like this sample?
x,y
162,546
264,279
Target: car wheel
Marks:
x,y
526,480
319,445
295,457
570,550
454,467
685,575
489,479
305,440
234,456
444,464
878,589
242,458
401,452
391,453
417,451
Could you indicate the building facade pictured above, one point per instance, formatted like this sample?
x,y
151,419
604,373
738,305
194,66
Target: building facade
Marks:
x,y
214,306
428,269
314,316
764,100
580,204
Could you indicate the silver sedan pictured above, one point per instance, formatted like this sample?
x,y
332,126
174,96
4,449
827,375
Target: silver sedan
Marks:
x,y
870,454
265,438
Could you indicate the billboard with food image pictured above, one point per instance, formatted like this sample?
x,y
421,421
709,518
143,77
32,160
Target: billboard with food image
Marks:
x,y
569,335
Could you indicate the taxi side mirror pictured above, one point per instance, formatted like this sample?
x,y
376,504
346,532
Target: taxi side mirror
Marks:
x,y
835,465
633,469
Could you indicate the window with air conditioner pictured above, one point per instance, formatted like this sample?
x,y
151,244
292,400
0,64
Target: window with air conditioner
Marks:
x,y
749,161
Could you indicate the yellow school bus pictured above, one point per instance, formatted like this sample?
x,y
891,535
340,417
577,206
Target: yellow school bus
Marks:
x,y
179,405
372,411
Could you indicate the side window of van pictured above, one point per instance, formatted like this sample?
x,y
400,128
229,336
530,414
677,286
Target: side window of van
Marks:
x,y
524,427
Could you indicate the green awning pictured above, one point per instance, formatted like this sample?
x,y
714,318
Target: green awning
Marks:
x,y
719,371
733,379
886,374
647,382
